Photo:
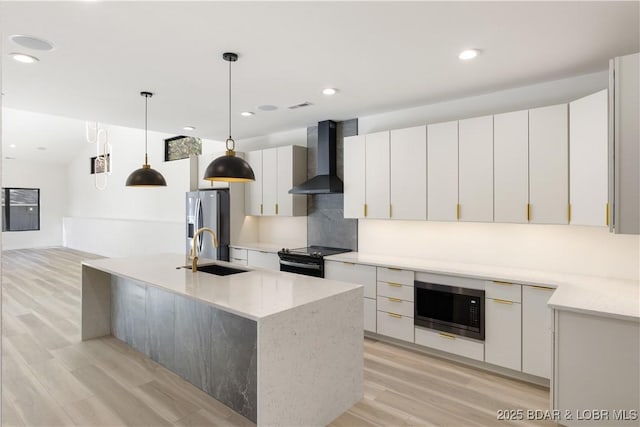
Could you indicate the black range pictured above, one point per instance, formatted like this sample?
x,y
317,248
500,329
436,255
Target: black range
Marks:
x,y
308,261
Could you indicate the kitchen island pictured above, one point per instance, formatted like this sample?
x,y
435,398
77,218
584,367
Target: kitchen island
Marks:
x,y
279,348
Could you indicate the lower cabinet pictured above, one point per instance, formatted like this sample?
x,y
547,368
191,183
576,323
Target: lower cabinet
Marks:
x,y
262,259
536,331
449,343
238,256
370,314
503,333
395,326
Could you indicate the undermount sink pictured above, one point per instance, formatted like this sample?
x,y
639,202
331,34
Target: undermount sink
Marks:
x,y
217,269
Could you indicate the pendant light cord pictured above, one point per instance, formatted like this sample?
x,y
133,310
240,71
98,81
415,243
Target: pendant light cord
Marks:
x,y
230,139
146,109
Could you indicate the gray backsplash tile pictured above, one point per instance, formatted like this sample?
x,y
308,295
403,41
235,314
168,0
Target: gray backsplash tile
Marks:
x,y
326,225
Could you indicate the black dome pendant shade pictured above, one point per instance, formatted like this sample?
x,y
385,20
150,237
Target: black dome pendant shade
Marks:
x,y
145,176
229,167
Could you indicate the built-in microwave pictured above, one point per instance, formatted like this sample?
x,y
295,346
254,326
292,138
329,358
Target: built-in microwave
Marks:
x,y
451,309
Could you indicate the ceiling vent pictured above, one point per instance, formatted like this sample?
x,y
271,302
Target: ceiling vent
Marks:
x,y
301,105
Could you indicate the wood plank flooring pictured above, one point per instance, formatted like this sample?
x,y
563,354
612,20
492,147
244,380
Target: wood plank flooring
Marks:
x,y
51,378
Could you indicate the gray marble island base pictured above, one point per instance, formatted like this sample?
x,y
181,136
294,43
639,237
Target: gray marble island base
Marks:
x,y
298,366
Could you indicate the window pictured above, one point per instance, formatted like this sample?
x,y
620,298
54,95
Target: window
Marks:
x,y
20,209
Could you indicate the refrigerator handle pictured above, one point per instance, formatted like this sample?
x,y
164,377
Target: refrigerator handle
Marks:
x,y
196,222
200,224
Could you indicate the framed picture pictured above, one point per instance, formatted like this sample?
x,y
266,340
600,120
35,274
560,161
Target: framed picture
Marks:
x,y
99,165
181,147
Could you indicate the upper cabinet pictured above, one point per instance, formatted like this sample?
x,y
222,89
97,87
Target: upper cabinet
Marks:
x,y
475,163
408,173
442,171
277,170
377,175
624,144
588,160
354,176
549,165
511,166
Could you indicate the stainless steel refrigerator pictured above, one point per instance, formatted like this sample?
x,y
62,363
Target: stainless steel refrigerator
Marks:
x,y
209,208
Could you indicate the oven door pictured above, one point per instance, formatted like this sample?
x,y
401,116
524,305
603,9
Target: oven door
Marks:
x,y
307,267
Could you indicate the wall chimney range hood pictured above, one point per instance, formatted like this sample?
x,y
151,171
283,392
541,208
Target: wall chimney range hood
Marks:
x,y
326,180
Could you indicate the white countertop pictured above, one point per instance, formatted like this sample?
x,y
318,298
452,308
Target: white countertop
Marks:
x,y
256,294
264,247
588,294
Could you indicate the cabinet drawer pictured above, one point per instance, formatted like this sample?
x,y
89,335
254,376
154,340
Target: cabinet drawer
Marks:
x,y
395,275
238,261
450,343
353,273
503,290
395,290
369,314
261,259
397,306
237,253
395,326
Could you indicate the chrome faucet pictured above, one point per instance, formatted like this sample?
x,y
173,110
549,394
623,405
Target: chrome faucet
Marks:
x,y
193,255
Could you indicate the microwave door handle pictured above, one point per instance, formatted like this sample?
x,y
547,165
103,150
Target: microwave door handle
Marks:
x,y
300,265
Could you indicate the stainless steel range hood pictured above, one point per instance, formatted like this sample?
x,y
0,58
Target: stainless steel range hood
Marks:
x,y
326,180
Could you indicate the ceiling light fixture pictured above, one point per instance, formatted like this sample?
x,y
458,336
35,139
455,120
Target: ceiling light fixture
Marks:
x,y
12,146
24,58
267,107
468,54
145,176
189,128
31,42
229,167
329,91
246,114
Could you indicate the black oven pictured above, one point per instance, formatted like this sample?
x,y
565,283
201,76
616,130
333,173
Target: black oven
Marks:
x,y
451,309
307,266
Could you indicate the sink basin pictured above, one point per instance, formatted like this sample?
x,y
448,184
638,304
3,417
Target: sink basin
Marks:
x,y
217,269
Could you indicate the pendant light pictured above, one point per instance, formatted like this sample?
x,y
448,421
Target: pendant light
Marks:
x,y
145,176
229,168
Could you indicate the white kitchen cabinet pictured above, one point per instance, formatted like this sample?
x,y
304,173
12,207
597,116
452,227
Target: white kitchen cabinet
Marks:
x,y
549,165
475,163
408,173
377,175
503,290
395,305
263,259
279,170
450,343
395,326
536,331
238,256
442,171
269,181
354,176
503,335
588,129
511,166
253,189
624,144
363,275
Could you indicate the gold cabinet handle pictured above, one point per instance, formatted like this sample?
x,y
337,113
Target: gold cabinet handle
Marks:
x,y
394,299
397,316
528,212
606,214
393,269
447,336
498,282
276,209
569,212
458,211
502,301
395,285
543,288
261,210
348,263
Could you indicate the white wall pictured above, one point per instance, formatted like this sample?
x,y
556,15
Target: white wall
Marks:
x,y
571,249
52,182
120,220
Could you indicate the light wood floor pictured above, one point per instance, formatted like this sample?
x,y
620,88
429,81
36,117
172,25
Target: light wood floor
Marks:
x,y
51,378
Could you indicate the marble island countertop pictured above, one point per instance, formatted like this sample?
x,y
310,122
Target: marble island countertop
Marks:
x,y
254,294
588,294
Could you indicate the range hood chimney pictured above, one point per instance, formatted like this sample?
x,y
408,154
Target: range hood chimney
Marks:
x,y
326,180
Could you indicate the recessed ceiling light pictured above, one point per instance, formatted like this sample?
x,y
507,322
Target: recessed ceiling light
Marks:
x,y
12,146
189,128
9,158
468,54
267,107
329,91
21,57
41,148
246,114
31,42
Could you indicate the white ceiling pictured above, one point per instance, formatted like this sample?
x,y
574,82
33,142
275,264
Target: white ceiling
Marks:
x,y
380,55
